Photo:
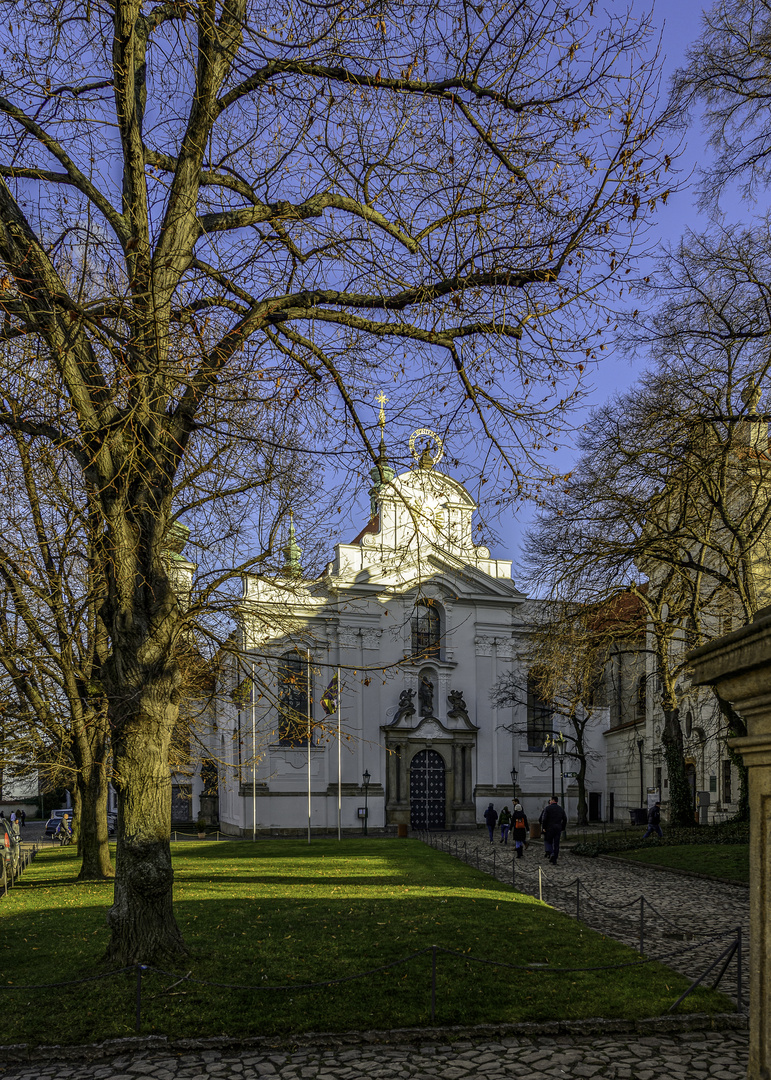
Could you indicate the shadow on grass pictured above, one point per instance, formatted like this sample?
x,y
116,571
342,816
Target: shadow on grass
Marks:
x,y
253,945
262,930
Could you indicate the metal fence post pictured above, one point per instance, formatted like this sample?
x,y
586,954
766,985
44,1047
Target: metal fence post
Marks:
x,y
578,899
433,982
642,924
738,969
540,884
513,861
493,862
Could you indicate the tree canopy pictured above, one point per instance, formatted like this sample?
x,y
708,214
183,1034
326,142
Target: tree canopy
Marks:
x,y
213,211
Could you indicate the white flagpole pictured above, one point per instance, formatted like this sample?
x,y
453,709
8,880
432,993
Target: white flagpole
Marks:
x,y
308,698
254,763
339,774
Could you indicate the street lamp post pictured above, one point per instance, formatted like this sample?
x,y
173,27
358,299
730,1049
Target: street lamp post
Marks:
x,y
640,745
514,782
366,779
561,752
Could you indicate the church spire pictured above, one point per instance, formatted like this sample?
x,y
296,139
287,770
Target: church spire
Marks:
x,y
381,472
292,553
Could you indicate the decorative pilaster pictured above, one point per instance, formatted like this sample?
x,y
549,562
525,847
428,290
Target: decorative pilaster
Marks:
x,y
738,666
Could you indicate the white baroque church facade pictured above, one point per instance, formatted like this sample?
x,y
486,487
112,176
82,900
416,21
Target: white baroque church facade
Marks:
x,y
396,647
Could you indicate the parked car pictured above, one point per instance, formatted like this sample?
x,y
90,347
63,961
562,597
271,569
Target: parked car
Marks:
x,y
11,848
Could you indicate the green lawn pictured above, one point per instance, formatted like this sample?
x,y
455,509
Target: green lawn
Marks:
x,y
730,861
283,913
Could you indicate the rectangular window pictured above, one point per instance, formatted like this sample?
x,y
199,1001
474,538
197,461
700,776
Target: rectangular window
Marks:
x,y
539,716
426,630
295,700
727,793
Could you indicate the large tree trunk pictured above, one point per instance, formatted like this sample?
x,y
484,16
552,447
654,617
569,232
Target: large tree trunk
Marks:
x,y
737,727
75,819
582,815
141,919
680,801
92,783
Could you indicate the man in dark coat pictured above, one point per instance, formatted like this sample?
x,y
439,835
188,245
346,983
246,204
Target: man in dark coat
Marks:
x,y
553,819
491,816
654,821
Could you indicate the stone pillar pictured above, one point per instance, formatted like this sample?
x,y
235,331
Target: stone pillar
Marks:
x,y
738,666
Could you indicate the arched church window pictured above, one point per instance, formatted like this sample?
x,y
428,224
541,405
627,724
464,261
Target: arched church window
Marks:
x,y
426,629
294,718
539,712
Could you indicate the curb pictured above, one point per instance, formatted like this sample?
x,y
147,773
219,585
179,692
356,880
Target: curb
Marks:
x,y
23,1053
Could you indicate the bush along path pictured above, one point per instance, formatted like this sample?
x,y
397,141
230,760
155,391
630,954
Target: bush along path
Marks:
x,y
659,913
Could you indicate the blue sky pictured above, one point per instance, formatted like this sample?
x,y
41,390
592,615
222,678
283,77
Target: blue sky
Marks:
x,y
679,24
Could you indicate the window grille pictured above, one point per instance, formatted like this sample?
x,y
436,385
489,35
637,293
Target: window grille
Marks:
x,y
293,700
539,715
426,630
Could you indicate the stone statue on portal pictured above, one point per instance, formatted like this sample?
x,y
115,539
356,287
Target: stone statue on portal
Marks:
x,y
406,706
458,709
426,696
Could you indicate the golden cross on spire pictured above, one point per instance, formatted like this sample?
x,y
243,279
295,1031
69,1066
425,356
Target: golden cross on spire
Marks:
x,y
381,399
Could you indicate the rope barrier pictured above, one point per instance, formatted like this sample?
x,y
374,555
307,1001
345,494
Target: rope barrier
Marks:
x,y
534,968
71,982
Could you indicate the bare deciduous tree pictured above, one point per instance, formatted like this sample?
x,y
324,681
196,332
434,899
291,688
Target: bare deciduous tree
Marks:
x,y
202,204
728,74
671,496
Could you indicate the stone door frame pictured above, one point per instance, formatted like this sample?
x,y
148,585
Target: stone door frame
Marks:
x,y
457,750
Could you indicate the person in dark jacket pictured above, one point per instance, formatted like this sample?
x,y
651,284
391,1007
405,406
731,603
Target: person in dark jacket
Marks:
x,y
654,821
491,816
505,823
519,827
553,819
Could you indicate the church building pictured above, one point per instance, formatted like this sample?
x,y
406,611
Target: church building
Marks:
x,y
370,686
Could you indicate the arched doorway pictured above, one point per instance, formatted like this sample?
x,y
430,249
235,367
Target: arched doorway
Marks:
x,y
427,790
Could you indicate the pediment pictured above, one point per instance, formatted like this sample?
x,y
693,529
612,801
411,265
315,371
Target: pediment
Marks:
x,y
459,578
431,728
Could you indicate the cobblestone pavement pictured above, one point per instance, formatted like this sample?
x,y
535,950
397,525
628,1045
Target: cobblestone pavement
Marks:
x,y
678,910
687,1055
682,916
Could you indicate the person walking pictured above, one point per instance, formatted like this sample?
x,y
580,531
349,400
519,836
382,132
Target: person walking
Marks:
x,y
491,816
553,819
23,816
505,823
519,828
654,821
